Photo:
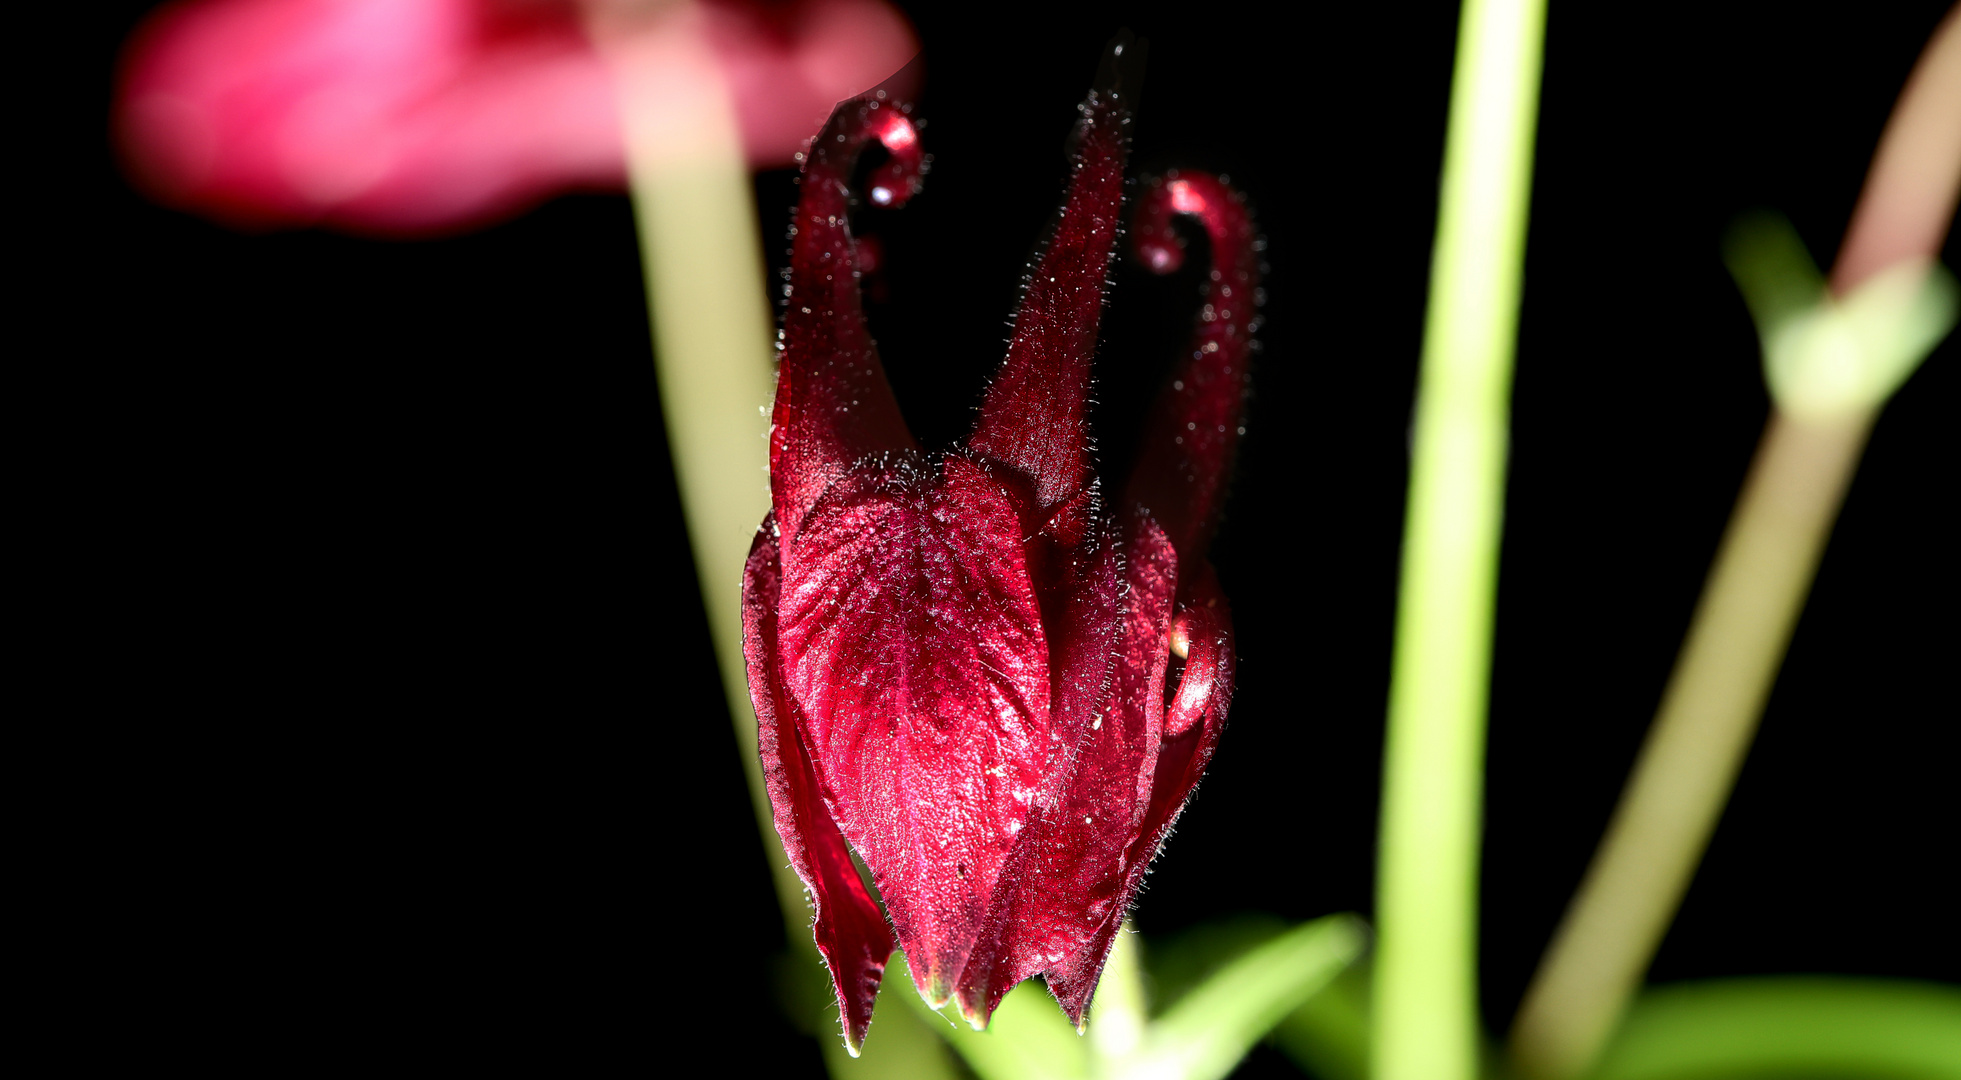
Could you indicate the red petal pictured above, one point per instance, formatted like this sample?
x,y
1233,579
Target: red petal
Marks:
x,y
1069,874
1195,425
1035,416
833,405
1193,722
913,644
850,932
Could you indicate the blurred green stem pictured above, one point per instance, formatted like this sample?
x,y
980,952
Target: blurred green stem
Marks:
x,y
701,252
1701,732
1426,1018
1831,361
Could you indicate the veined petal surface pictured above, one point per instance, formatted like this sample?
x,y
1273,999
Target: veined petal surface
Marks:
x,y
912,642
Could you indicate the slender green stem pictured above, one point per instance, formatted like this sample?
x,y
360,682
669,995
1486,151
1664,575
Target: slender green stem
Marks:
x,y
1686,769
700,250
1426,1021
1831,361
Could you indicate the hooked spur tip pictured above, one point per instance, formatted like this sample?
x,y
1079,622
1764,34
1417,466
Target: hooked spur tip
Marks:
x,y
896,181
1162,258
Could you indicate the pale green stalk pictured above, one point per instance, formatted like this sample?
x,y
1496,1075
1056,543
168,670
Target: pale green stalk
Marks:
x,y
1690,761
712,328
1426,1017
712,343
1831,364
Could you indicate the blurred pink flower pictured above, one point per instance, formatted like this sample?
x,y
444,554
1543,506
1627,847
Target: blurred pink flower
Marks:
x,y
418,116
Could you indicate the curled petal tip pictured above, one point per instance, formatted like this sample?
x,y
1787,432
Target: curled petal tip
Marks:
x,y
1152,238
1195,426
1161,257
895,182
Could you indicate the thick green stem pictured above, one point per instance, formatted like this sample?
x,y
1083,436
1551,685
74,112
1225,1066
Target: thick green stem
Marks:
x,y
1426,1017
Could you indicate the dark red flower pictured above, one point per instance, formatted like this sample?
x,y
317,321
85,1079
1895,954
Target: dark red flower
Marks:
x,y
407,116
979,670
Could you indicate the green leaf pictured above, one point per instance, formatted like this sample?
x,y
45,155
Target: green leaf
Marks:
x,y
1180,963
1789,1028
1329,1034
1204,1036
1771,267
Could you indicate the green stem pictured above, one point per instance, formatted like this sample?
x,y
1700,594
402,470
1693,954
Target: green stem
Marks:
x,y
1426,1022
1831,364
1122,1015
701,252
1708,715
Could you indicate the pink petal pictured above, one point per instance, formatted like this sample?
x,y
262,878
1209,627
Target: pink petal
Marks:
x,y
407,116
788,65
913,646
1035,416
388,114
850,932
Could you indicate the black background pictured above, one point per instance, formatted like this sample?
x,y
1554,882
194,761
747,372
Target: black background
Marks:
x,y
428,752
